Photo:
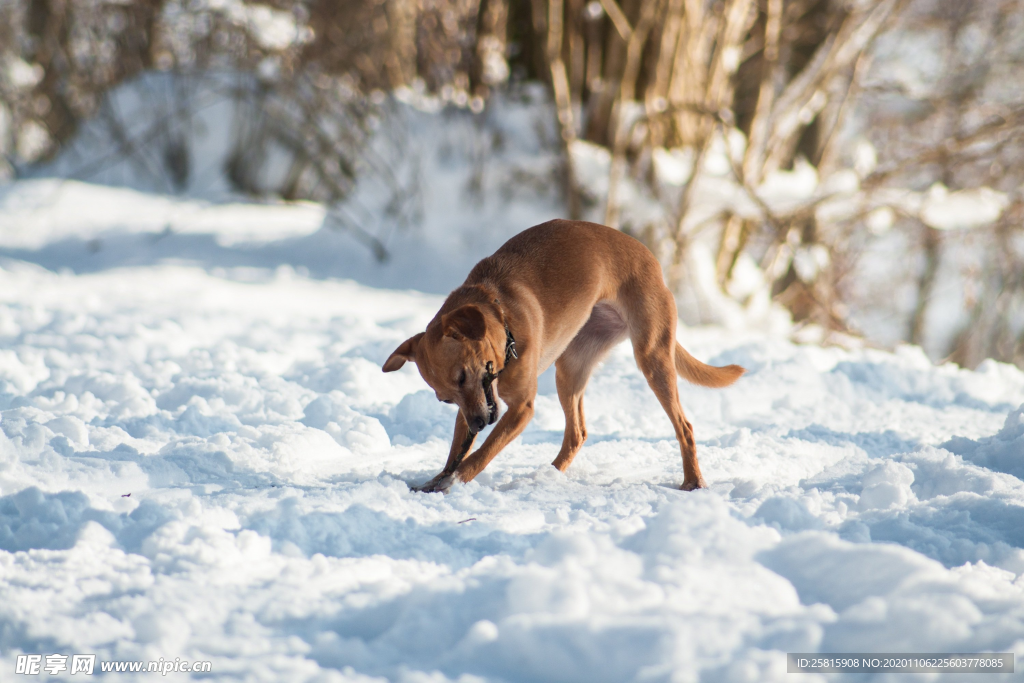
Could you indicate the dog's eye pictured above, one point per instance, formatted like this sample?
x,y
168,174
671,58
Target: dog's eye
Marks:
x,y
462,378
447,401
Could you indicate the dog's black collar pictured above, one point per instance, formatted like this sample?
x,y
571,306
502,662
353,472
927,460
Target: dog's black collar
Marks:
x,y
490,375
510,346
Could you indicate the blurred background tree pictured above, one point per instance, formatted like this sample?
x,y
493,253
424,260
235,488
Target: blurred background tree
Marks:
x,y
858,162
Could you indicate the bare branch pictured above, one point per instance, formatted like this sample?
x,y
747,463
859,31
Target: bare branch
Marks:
x,y
619,20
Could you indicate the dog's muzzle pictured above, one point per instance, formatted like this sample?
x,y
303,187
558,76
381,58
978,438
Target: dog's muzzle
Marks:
x,y
492,406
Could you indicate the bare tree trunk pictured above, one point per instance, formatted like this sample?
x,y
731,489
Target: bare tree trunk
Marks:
x,y
619,132
690,72
771,76
490,67
598,126
925,284
656,101
401,61
563,101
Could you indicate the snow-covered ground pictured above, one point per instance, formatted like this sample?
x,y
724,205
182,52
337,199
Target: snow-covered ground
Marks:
x,y
200,458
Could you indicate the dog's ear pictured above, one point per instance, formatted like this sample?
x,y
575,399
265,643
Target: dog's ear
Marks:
x,y
405,351
466,321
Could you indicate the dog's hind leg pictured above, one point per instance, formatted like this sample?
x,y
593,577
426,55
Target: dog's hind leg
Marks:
x,y
652,329
571,382
602,331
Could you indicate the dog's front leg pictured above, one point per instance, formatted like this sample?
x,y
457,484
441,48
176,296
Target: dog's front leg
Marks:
x,y
458,450
511,425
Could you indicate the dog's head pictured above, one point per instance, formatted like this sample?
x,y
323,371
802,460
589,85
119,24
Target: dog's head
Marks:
x,y
453,356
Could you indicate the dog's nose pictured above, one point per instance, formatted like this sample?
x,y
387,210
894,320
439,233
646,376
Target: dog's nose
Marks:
x,y
477,423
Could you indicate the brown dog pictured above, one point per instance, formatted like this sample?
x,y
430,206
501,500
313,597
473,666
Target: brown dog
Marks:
x,y
563,292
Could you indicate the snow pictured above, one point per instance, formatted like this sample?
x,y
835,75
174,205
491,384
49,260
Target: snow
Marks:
x,y
40,212
21,74
200,458
1003,452
272,29
971,208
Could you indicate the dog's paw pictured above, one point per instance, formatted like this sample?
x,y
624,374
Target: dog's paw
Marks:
x,y
693,485
441,483
429,487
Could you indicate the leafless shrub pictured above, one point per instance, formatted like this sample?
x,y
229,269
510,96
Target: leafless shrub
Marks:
x,y
882,111
890,130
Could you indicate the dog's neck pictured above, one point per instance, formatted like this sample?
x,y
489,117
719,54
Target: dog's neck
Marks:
x,y
486,296
476,293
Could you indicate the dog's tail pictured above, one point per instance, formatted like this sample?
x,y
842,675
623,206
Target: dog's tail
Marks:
x,y
692,370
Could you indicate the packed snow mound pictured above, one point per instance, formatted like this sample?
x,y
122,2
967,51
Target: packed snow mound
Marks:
x,y
1003,452
205,461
